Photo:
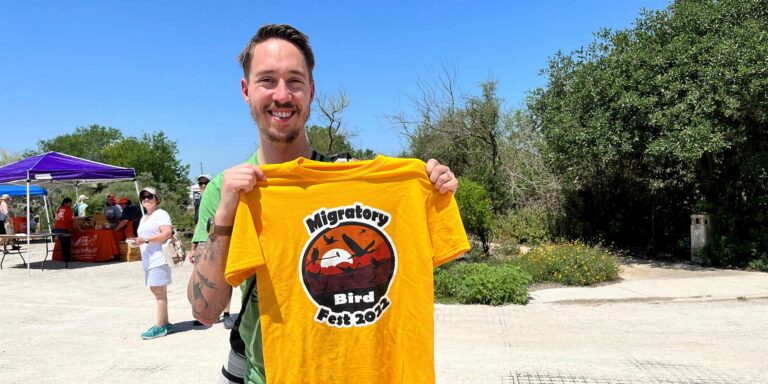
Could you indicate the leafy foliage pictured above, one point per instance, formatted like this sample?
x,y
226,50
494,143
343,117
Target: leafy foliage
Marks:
x,y
647,125
569,263
476,211
480,283
154,156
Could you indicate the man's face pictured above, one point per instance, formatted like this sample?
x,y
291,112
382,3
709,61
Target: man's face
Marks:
x,y
279,91
202,183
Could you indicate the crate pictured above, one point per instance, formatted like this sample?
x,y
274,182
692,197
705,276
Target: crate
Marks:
x,y
128,253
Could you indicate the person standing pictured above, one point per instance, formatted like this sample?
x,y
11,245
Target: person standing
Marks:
x,y
154,229
129,219
81,207
112,211
5,217
278,87
5,212
64,222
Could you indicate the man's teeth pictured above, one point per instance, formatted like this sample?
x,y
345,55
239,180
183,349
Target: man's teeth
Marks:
x,y
282,114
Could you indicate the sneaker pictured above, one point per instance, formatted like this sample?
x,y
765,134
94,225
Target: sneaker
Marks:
x,y
229,321
154,332
168,327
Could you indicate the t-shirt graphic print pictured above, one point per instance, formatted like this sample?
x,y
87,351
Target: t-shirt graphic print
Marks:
x,y
347,267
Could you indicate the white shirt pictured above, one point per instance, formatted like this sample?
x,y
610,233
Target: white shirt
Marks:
x,y
152,253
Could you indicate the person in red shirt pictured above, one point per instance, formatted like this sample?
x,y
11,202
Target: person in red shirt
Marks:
x,y
63,224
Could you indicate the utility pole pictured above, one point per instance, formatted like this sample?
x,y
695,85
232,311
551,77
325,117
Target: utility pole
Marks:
x,y
201,167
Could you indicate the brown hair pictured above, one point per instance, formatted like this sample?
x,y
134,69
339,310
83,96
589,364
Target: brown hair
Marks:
x,y
277,31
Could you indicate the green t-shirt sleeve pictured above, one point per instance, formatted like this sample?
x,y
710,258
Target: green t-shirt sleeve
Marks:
x,y
210,202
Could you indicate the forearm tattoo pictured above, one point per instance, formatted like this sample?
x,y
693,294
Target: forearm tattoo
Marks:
x,y
197,289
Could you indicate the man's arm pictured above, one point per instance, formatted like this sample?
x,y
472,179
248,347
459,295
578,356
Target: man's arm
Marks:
x,y
208,292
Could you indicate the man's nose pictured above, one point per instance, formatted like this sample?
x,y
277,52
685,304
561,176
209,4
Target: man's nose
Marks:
x,y
282,93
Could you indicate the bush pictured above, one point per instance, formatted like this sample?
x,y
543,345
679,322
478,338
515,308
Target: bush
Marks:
x,y
476,211
760,264
570,264
480,283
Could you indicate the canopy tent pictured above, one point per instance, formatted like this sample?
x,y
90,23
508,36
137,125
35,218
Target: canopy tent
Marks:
x,y
20,190
55,167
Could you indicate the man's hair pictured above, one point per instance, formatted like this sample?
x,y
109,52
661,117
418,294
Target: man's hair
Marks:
x,y
66,200
277,31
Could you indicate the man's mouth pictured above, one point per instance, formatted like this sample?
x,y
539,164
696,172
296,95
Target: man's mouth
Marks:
x,y
281,113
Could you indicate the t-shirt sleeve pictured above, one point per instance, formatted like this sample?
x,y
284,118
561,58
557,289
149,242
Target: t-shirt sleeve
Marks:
x,y
208,205
446,231
245,253
163,218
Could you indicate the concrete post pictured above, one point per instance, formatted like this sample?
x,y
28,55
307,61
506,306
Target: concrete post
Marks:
x,y
701,236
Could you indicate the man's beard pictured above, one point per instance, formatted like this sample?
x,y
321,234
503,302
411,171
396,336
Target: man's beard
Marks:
x,y
274,138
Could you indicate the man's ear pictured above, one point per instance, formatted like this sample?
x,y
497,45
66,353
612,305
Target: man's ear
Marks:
x,y
312,91
244,90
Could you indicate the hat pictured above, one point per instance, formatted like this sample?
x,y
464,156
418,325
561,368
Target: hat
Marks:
x,y
5,196
152,191
205,176
124,201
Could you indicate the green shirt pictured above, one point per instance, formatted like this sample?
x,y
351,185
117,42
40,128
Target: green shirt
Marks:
x,y
250,324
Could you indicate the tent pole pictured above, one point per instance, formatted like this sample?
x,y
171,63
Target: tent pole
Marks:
x,y
138,197
28,213
47,216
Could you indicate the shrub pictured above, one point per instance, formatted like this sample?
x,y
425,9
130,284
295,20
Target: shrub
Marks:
x,y
476,211
569,263
760,264
481,283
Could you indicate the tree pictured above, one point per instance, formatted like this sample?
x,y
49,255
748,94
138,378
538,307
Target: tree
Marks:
x,y
476,211
649,124
154,156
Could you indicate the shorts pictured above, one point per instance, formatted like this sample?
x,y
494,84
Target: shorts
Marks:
x,y
158,276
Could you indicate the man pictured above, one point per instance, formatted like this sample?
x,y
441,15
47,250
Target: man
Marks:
x,y
129,219
278,88
202,182
112,211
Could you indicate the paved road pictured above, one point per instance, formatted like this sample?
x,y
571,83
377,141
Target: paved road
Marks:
x,y
661,324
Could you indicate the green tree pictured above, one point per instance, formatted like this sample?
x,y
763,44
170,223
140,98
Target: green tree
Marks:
x,y
648,124
476,211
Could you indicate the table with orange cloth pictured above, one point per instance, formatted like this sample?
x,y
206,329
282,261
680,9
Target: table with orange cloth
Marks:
x,y
90,245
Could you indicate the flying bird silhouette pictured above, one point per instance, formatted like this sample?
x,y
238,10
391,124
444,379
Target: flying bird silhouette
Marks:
x,y
356,247
329,240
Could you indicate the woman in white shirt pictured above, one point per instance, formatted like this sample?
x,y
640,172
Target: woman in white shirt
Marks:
x,y
154,229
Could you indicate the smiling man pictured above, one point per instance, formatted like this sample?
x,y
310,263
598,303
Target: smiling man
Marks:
x,y
278,87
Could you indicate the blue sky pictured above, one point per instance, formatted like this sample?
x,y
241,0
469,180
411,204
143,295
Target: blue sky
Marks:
x,y
147,66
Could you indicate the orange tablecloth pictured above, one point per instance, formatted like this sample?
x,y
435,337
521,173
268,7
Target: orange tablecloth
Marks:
x,y
90,245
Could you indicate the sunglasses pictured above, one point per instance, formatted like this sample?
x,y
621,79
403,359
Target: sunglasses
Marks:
x,y
147,196
202,183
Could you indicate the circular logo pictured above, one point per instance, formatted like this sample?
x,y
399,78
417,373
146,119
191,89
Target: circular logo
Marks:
x,y
348,268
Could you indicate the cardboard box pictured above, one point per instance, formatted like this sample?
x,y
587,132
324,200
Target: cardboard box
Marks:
x,y
128,253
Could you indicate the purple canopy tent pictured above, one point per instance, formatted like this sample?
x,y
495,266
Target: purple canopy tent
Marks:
x,y
55,167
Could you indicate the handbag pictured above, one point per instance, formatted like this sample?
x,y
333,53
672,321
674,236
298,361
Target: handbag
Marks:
x,y
174,252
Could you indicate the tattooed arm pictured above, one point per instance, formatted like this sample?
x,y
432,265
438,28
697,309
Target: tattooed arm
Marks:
x,y
208,292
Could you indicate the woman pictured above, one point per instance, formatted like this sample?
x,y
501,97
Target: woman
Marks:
x,y
81,207
63,224
154,229
4,217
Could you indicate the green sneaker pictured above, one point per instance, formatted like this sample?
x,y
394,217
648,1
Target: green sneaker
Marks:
x,y
154,332
168,327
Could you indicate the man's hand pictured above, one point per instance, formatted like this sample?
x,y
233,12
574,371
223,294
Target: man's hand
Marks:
x,y
441,176
191,256
241,178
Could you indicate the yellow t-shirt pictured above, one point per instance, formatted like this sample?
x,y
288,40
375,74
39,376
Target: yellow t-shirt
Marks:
x,y
343,254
